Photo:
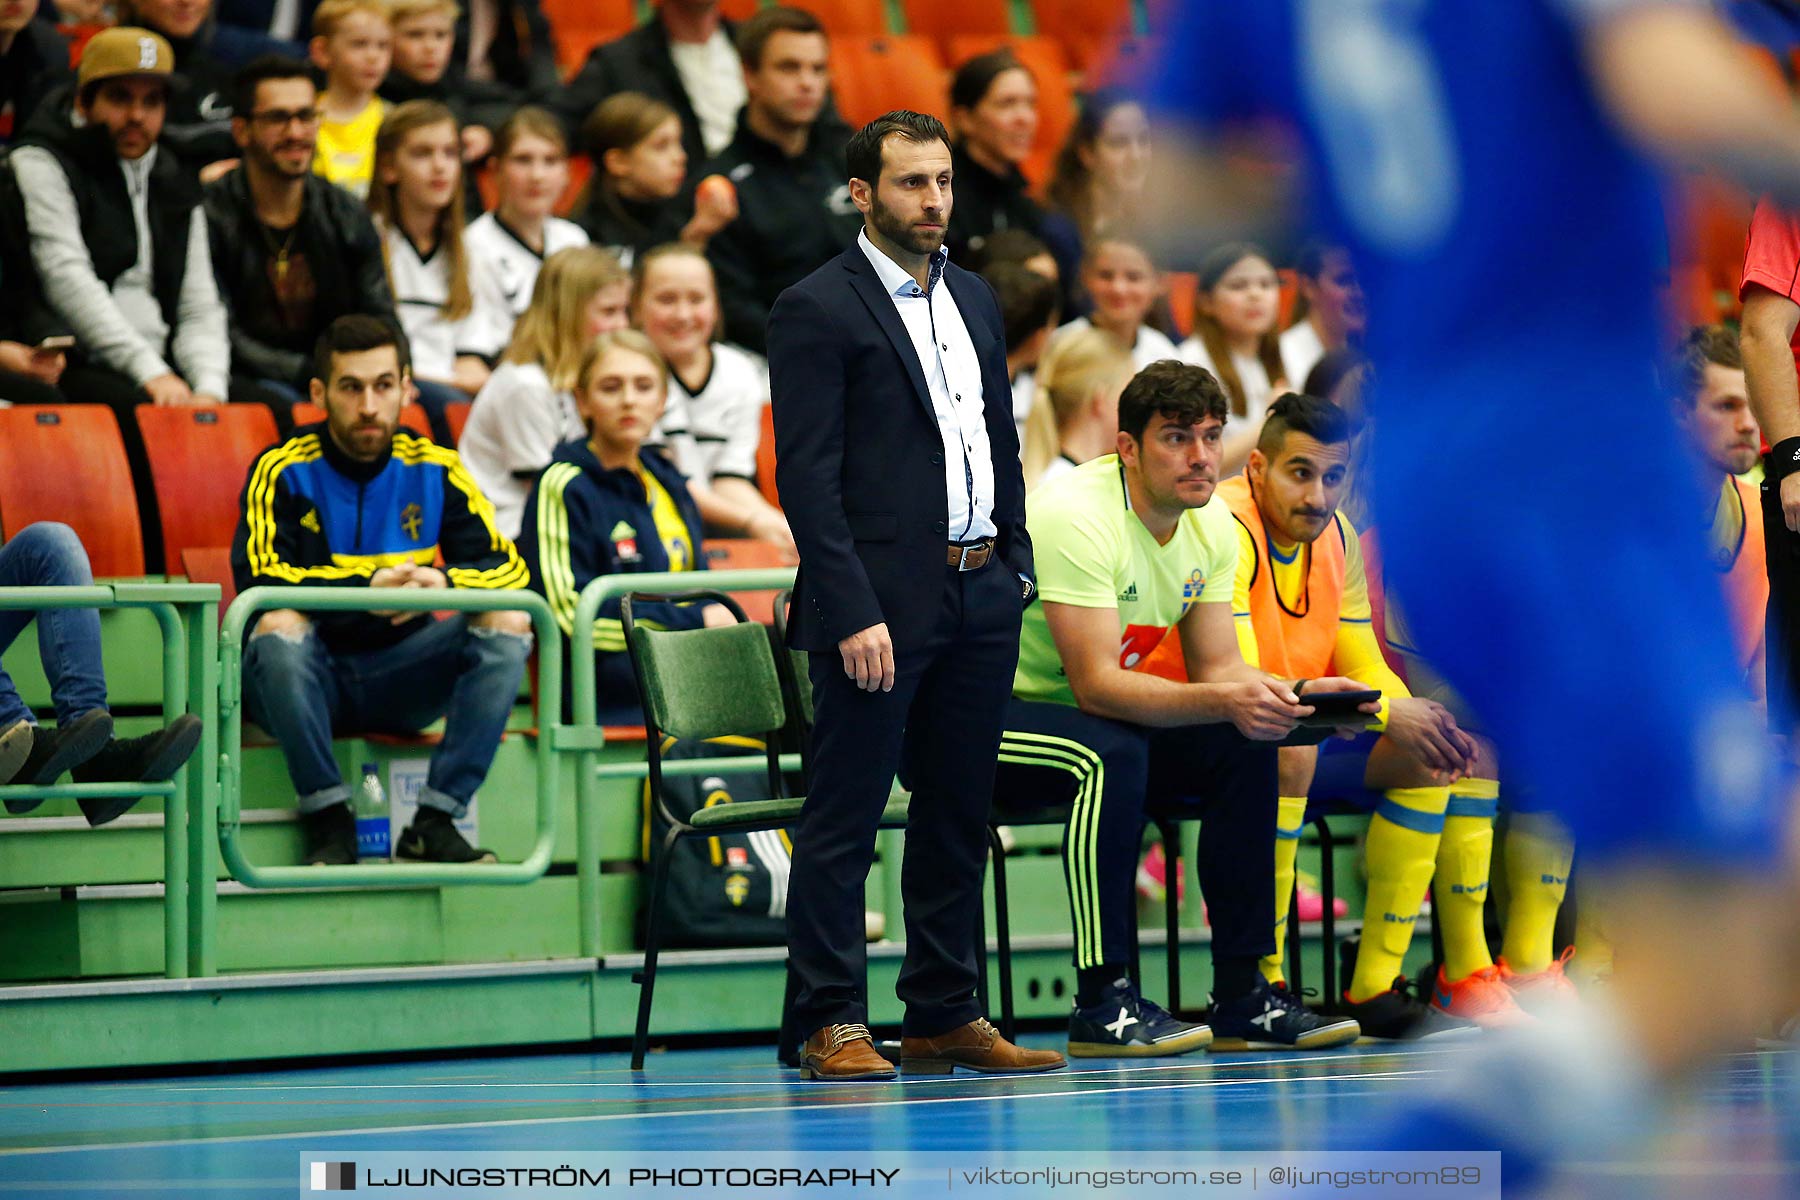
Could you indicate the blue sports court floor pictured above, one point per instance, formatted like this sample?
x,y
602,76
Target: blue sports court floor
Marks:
x,y
240,1135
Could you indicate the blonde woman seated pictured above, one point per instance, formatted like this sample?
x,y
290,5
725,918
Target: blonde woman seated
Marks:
x,y
1075,415
607,505
526,408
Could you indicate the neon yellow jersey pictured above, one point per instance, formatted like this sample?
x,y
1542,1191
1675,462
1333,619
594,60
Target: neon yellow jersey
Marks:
x,y
346,153
671,530
1093,552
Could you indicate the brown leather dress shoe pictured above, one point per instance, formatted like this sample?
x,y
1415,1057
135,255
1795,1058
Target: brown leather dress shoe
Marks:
x,y
976,1046
843,1052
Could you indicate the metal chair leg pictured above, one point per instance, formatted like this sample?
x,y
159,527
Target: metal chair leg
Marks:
x,y
1002,933
1328,881
787,1040
1296,972
646,978
1170,833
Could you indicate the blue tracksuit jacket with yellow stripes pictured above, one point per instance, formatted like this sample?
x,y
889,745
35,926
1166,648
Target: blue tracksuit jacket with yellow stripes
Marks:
x,y
311,515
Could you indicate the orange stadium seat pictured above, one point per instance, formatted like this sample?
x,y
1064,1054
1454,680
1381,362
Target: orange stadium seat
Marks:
x,y
848,18
1083,27
211,564
1182,289
412,417
944,19
1120,62
577,26
1288,297
744,554
1056,99
199,458
739,10
765,457
870,76
65,462
457,414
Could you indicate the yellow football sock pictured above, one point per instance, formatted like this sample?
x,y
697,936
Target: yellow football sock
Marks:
x,y
1290,815
1463,858
1538,854
1402,852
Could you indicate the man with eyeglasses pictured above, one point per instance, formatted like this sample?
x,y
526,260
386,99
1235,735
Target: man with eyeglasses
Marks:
x,y
292,252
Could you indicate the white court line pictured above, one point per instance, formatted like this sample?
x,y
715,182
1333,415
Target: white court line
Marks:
x,y
322,1134
1202,1062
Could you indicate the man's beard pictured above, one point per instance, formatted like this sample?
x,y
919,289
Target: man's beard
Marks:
x,y
902,234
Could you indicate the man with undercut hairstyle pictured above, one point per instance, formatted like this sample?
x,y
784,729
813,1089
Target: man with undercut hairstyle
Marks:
x,y
1129,551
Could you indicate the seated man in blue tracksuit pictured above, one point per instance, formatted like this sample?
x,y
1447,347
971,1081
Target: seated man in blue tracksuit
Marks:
x,y
608,505
357,502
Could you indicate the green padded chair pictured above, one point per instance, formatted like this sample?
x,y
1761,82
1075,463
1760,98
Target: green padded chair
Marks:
x,y
705,683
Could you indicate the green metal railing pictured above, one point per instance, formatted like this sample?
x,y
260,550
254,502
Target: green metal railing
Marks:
x,y
355,599
585,739
187,616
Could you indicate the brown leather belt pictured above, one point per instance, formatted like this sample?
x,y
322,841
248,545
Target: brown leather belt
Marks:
x,y
971,558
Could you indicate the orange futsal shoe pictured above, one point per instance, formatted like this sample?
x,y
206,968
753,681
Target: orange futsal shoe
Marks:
x,y
1480,997
1545,990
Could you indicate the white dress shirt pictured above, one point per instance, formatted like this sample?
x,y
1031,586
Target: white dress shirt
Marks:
x,y
953,377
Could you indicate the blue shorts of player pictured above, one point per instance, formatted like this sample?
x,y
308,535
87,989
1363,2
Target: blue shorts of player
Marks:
x,y
1558,580
1116,775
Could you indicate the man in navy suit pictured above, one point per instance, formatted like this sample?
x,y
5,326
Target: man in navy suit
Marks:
x,y
898,462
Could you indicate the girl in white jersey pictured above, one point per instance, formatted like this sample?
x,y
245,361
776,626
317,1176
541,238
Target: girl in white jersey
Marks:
x,y
1236,311
417,205
1120,279
527,410
713,422
508,246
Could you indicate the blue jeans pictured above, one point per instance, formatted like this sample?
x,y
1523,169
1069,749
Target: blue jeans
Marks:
x,y
50,555
301,692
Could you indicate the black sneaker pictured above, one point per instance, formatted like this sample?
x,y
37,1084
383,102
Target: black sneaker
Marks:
x,y
1398,1015
54,751
153,758
330,836
1125,1025
1272,1018
433,837
15,748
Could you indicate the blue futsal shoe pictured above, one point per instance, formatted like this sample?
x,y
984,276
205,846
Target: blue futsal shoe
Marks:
x,y
1270,1017
1122,1024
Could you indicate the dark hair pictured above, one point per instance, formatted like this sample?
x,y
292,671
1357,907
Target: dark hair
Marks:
x,y
754,34
1068,189
1028,301
1333,369
1309,260
354,332
1210,334
863,154
973,79
1320,420
1704,344
254,73
1181,392
1013,245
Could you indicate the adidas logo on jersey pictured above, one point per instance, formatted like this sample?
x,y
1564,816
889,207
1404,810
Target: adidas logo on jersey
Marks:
x,y
1129,595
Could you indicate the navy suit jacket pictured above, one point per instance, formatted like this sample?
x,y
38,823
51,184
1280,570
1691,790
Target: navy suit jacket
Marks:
x,y
860,459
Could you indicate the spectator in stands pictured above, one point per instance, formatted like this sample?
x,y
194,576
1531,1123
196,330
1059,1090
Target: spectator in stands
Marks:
x,y
684,57
419,68
636,198
994,115
609,505
787,163
30,366
354,500
1097,186
352,45
1028,313
292,252
1342,377
277,26
1329,314
198,123
416,201
1238,305
712,423
528,408
50,555
1122,283
34,61
1712,402
1076,416
118,244
1019,246
508,245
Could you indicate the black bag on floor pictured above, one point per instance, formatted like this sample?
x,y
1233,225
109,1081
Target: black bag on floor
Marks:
x,y
728,890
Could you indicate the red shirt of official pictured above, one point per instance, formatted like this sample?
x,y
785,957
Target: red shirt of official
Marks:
x,y
1772,259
